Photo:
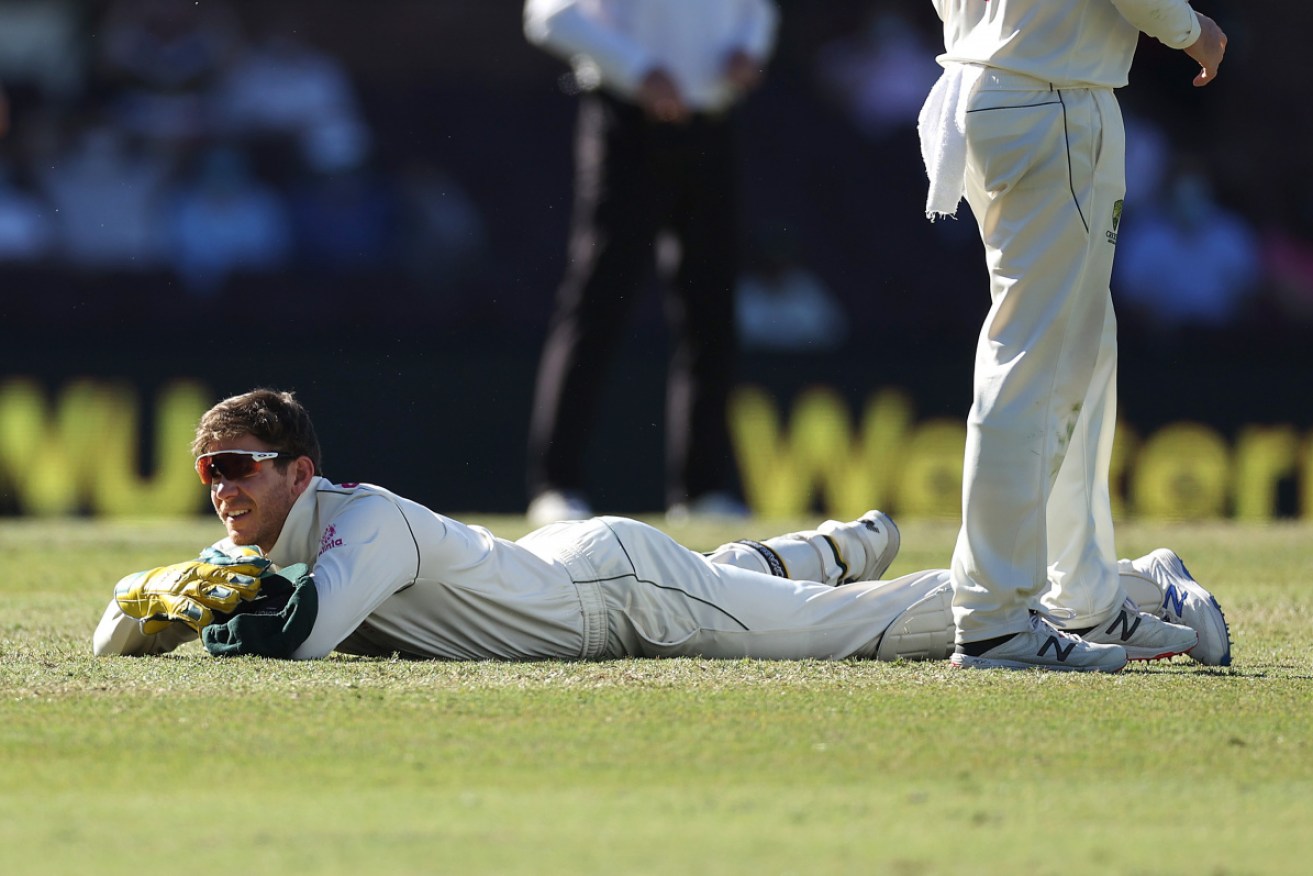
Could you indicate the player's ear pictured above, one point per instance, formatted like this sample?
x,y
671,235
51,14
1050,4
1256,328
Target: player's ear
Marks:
x,y
303,469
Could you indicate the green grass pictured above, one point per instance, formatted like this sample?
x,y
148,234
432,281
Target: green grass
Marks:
x,y
682,766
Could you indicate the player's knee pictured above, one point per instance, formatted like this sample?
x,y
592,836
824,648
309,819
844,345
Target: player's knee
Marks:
x,y
923,632
747,555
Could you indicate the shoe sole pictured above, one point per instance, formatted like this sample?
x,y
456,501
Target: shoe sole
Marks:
x,y
966,661
1215,619
1166,655
1140,655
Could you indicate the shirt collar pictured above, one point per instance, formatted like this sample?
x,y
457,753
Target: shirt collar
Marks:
x,y
299,539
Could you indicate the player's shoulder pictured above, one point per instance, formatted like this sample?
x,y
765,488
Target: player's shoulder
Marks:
x,y
354,489
355,494
344,488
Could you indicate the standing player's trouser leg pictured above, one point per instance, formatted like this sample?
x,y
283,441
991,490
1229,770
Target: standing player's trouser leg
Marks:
x,y
1082,551
664,600
700,310
617,211
1045,173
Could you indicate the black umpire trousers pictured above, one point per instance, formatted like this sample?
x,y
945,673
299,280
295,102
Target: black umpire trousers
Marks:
x,y
634,179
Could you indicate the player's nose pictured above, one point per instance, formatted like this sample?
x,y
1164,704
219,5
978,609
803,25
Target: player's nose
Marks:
x,y
221,487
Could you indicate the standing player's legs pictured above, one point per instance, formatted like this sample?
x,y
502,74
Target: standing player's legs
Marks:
x,y
1081,547
610,250
1030,183
1082,550
1087,596
701,311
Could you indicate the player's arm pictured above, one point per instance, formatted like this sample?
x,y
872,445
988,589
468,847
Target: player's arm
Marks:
x,y
758,25
371,555
1174,23
746,62
118,635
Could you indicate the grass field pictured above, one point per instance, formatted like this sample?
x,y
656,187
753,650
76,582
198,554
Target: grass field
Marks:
x,y
186,763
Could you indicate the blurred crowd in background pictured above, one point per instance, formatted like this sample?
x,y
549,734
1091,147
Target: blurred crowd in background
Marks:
x,y
404,165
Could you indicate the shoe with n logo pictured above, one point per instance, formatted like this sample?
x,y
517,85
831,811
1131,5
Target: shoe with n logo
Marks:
x,y
1144,636
1043,646
1159,583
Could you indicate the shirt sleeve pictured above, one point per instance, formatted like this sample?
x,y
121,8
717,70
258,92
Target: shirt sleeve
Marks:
x,y
118,635
563,29
371,554
1172,22
760,21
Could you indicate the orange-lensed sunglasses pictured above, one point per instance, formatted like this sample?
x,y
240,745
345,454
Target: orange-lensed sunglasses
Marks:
x,y
233,465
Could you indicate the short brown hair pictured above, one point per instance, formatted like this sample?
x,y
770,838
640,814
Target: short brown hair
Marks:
x,y
273,416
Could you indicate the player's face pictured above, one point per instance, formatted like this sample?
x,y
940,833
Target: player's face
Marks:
x,y
254,508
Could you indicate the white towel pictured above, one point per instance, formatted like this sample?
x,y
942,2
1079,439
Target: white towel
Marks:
x,y
942,126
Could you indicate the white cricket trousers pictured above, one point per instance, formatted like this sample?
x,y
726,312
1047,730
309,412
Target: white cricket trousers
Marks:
x,y
655,598
1045,178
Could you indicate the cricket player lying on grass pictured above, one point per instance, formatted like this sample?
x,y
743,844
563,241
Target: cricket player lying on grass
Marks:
x,y
309,567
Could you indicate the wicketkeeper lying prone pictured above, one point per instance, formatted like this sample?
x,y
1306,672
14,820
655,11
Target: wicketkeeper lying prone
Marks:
x,y
310,567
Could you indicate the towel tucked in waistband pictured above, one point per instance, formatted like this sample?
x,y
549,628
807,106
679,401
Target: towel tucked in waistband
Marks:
x,y
942,127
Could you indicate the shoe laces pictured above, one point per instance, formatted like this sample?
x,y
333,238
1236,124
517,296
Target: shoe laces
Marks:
x,y
1050,615
1040,624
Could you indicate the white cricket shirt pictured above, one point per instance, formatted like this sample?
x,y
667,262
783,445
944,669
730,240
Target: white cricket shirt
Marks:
x,y
1070,43
615,43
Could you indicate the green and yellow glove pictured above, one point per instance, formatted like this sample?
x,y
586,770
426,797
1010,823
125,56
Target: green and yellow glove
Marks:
x,y
191,592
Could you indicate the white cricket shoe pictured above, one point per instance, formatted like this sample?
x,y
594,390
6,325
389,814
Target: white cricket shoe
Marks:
x,y
1144,636
1043,646
553,506
881,539
878,536
1159,583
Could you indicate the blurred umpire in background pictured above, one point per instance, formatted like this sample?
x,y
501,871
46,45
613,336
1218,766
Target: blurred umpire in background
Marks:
x,y
654,153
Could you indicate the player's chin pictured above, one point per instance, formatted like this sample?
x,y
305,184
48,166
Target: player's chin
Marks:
x,y
241,530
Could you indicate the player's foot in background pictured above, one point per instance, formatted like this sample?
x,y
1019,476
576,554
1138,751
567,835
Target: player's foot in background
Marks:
x,y
1144,636
1043,646
867,545
1160,584
553,506
713,507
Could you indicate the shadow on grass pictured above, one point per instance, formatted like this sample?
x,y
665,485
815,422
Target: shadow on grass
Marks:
x,y
1273,671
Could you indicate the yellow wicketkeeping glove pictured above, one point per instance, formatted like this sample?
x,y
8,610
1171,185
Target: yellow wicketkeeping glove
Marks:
x,y
191,592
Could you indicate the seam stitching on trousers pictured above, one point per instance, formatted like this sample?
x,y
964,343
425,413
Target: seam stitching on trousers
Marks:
x,y
1071,178
688,595
992,109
